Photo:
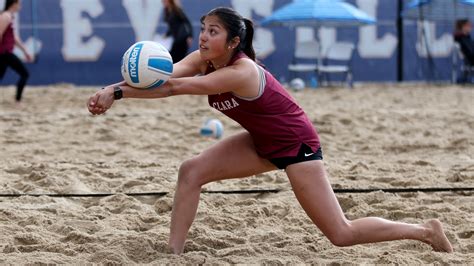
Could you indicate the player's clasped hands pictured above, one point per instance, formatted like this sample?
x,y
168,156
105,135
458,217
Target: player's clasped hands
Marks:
x,y
101,101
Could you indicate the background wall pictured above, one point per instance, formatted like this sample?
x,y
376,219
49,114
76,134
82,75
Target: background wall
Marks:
x,y
82,41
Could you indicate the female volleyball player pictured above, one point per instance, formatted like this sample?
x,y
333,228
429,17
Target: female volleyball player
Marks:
x,y
8,40
278,135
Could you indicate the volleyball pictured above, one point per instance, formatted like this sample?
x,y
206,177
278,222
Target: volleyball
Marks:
x,y
146,65
297,84
212,128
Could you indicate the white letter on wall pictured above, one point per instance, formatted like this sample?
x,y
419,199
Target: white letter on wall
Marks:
x,y
263,38
369,45
326,36
427,41
76,28
144,16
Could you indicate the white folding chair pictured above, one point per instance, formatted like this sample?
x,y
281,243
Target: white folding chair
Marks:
x,y
305,50
460,63
337,60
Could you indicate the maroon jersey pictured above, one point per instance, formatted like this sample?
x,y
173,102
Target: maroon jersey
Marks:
x,y
7,43
275,121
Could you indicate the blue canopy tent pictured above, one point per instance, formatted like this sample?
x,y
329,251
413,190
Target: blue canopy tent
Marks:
x,y
446,11
439,10
318,13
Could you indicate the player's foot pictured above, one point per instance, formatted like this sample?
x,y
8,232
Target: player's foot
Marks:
x,y
436,236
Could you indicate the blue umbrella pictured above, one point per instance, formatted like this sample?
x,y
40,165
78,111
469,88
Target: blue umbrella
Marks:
x,y
318,13
439,10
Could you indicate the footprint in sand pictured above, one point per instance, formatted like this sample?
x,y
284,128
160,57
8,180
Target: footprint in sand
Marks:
x,y
466,234
20,170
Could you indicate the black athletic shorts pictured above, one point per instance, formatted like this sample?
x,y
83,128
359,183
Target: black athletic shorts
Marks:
x,y
305,154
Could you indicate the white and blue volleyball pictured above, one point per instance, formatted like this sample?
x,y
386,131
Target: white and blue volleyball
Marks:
x,y
146,65
297,84
212,128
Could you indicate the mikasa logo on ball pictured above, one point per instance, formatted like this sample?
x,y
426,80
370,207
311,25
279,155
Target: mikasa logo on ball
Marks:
x,y
133,62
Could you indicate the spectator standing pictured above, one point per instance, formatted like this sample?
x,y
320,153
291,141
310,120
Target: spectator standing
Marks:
x,y
8,40
179,28
462,35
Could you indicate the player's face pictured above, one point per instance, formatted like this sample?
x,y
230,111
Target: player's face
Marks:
x,y
467,28
17,6
212,39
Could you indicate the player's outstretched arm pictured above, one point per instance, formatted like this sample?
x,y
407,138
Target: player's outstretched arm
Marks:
x,y
103,99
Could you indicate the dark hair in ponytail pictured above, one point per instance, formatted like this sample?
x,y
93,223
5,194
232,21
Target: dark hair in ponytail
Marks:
x,y
236,26
9,3
247,43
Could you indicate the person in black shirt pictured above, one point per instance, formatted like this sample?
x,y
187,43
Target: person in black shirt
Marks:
x,y
462,36
179,28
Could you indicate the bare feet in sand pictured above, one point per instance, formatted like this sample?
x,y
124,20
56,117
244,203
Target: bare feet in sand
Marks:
x,y
436,237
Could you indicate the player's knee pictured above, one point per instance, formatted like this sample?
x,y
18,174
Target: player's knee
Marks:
x,y
342,235
188,173
185,171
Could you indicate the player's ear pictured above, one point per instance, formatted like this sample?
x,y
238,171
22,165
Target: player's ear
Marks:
x,y
234,43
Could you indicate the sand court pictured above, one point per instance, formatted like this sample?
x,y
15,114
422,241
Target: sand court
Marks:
x,y
375,136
